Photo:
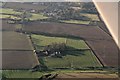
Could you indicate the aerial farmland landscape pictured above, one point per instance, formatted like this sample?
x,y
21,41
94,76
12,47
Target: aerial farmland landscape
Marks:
x,y
56,41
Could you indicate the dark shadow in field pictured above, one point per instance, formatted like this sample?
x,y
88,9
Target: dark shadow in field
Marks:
x,y
74,53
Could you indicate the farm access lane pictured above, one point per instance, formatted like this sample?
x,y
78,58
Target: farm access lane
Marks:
x,y
98,40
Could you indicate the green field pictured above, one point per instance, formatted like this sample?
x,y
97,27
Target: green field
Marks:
x,y
8,11
37,16
34,16
72,57
42,41
75,21
93,17
21,74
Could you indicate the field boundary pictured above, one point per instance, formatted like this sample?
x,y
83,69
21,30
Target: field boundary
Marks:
x,y
99,61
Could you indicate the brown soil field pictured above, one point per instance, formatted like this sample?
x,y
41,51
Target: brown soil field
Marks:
x,y
18,60
17,51
6,26
25,6
103,27
99,41
15,41
86,76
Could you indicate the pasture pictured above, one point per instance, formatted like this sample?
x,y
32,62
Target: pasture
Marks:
x,y
8,11
93,17
75,21
42,41
21,74
12,14
72,57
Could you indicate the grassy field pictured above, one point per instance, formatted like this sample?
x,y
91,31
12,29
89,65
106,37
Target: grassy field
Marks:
x,y
34,16
21,74
41,41
37,16
75,21
8,11
93,17
73,58
4,16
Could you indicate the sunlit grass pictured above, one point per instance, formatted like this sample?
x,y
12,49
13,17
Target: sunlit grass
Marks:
x,y
75,21
93,17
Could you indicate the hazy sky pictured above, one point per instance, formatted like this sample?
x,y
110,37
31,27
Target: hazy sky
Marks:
x,y
59,0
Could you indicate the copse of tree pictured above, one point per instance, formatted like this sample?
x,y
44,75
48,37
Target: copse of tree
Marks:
x,y
89,7
55,47
25,16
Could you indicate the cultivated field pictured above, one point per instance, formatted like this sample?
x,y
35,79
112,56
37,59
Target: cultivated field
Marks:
x,y
87,46
18,60
99,41
15,41
25,6
6,26
17,51
86,76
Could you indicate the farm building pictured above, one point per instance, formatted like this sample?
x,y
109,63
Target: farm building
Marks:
x,y
17,51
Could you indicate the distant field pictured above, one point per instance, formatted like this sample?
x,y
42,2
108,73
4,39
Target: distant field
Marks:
x,y
93,17
37,16
8,11
73,58
12,12
75,21
25,6
5,16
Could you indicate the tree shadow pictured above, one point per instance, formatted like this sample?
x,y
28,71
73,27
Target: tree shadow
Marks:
x,y
73,51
